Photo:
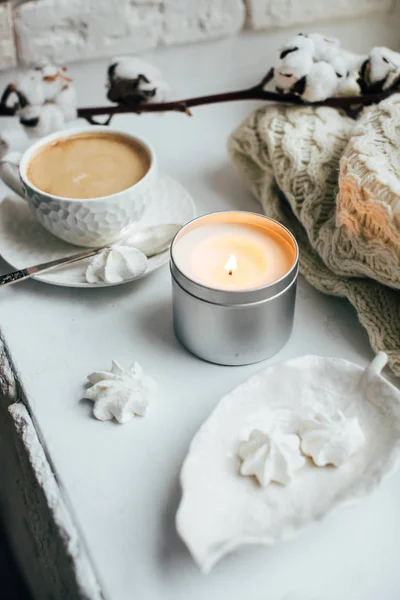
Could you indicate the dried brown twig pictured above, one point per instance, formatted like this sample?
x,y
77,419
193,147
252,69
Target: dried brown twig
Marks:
x,y
182,105
348,103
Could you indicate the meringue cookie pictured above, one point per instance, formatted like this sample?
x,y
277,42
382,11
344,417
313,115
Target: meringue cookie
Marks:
x,y
331,439
272,456
120,393
116,264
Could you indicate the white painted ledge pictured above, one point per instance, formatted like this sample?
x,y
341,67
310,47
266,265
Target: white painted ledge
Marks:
x,y
37,519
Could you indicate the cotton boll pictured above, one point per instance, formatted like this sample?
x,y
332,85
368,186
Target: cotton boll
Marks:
x,y
130,67
347,65
133,81
30,84
348,86
317,45
380,65
67,101
38,91
290,69
43,84
306,58
325,48
382,69
51,119
39,121
298,42
328,49
321,83
155,90
339,65
53,81
162,91
353,60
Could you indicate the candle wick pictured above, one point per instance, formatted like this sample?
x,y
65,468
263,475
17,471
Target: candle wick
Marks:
x,y
230,265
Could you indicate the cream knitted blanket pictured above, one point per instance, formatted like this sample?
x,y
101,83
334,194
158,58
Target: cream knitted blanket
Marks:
x,y
349,237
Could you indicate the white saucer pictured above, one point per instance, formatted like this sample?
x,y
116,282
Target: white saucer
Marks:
x,y
24,243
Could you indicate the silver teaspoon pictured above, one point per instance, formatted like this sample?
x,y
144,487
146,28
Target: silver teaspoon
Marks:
x,y
163,235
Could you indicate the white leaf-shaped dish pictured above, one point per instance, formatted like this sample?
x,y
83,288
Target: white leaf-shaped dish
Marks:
x,y
221,510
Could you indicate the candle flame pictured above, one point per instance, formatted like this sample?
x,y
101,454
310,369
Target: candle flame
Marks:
x,y
231,264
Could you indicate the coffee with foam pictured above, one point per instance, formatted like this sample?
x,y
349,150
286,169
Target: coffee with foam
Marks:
x,y
88,165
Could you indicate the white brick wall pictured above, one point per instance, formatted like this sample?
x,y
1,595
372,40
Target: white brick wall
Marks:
x,y
267,14
195,20
8,56
69,30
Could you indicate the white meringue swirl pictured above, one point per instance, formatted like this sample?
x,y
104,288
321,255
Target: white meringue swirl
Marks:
x,y
116,264
331,439
120,393
272,456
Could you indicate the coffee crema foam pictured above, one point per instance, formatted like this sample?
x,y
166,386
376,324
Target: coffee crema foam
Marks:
x,y
88,165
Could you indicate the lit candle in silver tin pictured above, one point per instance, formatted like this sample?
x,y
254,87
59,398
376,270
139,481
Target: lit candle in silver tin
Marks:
x,y
234,280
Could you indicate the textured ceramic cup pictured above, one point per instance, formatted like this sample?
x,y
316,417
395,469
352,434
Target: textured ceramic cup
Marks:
x,y
84,222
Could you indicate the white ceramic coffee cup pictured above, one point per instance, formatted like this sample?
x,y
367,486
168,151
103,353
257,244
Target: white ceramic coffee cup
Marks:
x,y
89,222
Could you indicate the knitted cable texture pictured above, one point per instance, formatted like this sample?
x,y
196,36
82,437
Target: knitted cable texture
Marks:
x,y
349,236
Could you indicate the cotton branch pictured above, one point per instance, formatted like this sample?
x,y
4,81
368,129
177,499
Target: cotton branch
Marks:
x,y
256,92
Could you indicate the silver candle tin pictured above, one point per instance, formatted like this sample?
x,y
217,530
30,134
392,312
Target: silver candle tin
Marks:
x,y
234,327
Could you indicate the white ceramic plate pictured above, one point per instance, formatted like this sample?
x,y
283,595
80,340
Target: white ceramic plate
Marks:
x,y
222,510
24,242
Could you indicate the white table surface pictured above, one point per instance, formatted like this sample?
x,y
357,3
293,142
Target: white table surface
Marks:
x,y
122,481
